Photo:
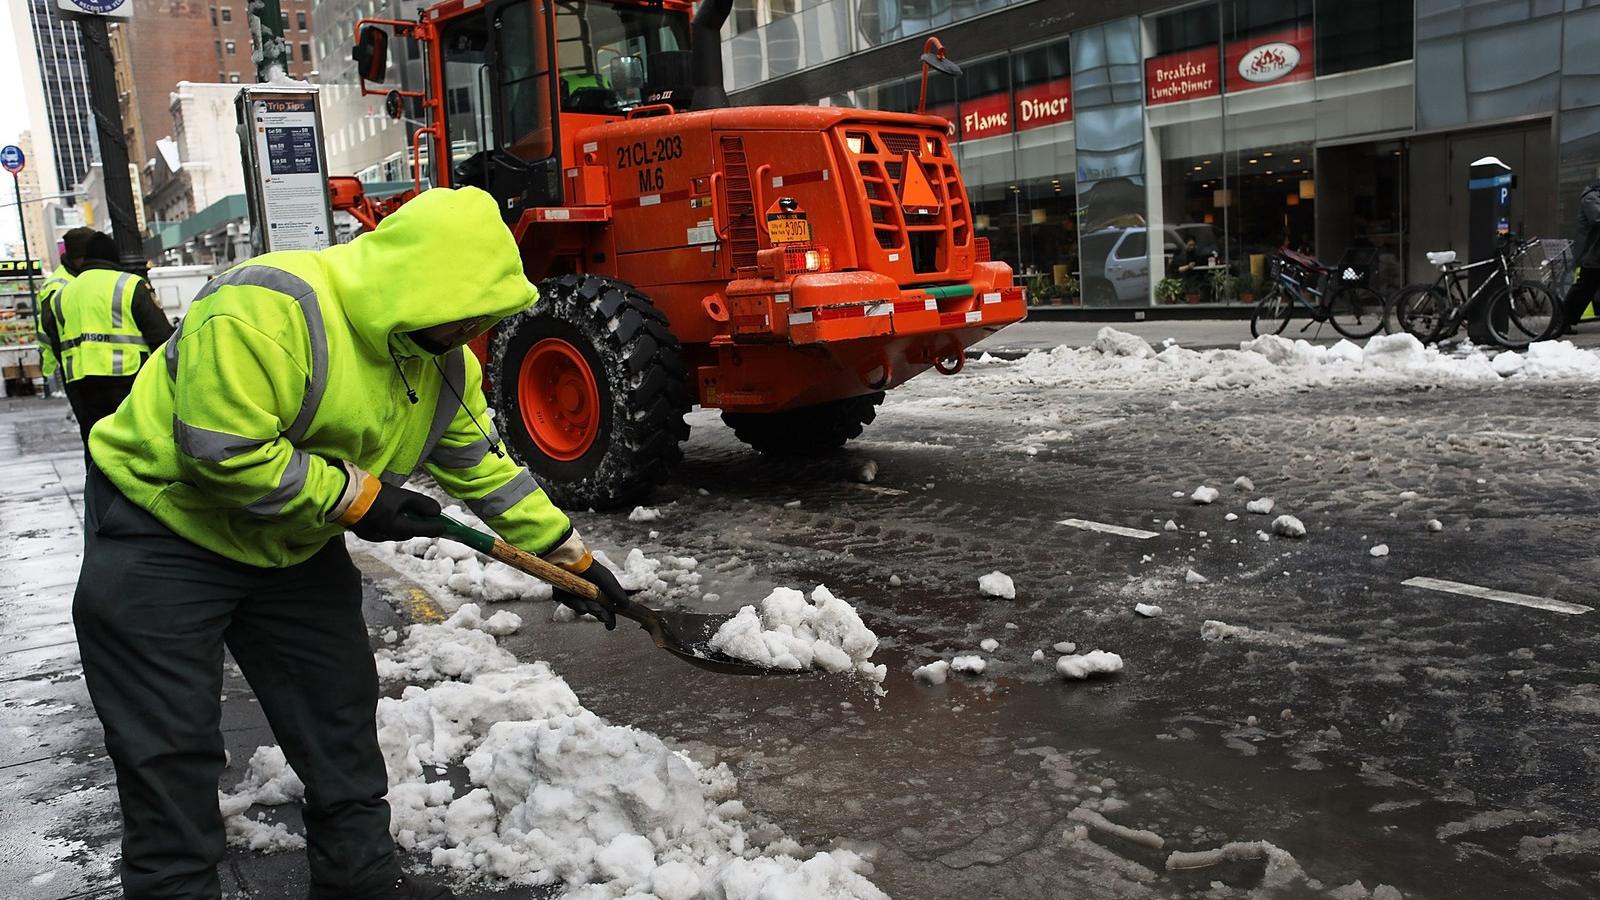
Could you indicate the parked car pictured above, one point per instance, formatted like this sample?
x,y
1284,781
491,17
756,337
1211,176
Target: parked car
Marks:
x,y
1116,261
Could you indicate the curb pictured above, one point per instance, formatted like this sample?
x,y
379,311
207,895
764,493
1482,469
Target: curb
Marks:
x,y
409,599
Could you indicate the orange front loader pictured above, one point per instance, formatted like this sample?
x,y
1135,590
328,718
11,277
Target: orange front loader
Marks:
x,y
785,265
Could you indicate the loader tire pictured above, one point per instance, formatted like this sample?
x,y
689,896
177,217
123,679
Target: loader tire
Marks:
x,y
807,431
589,391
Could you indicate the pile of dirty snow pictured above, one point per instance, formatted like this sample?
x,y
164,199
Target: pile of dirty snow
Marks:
x,y
555,794
1119,360
455,573
789,632
269,781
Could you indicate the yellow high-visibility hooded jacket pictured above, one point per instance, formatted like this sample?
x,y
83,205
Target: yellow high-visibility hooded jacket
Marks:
x,y
293,364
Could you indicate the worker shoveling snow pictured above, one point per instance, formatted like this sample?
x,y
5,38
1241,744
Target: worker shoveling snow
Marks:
x,y
554,793
787,631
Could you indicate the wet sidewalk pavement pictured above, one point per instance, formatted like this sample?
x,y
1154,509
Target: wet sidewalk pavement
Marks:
x,y
60,826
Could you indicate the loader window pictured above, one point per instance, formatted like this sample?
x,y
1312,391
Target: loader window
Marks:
x,y
525,118
611,58
468,118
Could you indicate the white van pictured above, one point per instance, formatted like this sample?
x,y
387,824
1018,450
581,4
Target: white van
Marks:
x,y
175,286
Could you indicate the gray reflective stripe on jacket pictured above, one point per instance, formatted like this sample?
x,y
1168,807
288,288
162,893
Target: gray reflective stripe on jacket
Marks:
x,y
454,372
289,285
289,486
119,299
97,337
211,446
500,500
464,457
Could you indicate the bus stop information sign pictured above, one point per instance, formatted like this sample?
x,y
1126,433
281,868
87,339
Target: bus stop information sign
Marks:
x,y
12,159
285,169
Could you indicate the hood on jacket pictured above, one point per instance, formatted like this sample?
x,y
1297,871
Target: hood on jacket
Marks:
x,y
444,255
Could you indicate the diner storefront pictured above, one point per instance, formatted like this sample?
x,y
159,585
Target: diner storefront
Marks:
x,y
1163,159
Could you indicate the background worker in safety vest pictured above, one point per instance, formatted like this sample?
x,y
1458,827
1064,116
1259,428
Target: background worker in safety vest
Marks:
x,y
301,391
73,245
101,328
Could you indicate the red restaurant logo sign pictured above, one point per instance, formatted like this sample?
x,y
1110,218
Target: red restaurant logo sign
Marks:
x,y
983,117
1187,75
1044,104
1276,58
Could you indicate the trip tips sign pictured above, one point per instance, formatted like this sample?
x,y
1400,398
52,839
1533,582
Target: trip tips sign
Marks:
x,y
1278,57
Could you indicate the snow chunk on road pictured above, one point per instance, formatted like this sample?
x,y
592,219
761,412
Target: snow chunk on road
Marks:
x,y
1111,342
1038,656
1232,517
1094,662
1148,610
269,781
868,473
1289,526
790,633
1243,483
1193,577
1281,868
932,673
1065,647
1379,550
989,645
1170,526
1261,507
1205,494
1099,822
971,664
644,514
997,584
1408,495
1435,525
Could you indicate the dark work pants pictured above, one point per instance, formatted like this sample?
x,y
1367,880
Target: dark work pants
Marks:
x,y
153,612
1582,293
93,397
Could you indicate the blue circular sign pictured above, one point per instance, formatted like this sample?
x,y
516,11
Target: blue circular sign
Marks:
x,y
99,7
12,159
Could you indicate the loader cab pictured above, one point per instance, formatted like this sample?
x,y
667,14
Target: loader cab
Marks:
x,y
513,76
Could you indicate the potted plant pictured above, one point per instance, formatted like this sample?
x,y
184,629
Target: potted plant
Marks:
x,y
1069,292
1169,290
1247,288
1224,286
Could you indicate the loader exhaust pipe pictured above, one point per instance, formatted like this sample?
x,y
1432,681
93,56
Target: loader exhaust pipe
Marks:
x,y
705,53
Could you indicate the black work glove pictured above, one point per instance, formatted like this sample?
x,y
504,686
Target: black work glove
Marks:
x,y
382,512
612,596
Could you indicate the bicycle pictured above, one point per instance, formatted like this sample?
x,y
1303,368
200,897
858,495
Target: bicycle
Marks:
x,y
1515,312
1353,309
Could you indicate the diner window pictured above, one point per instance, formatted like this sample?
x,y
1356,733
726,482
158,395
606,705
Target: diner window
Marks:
x,y
1187,29
1359,34
1242,18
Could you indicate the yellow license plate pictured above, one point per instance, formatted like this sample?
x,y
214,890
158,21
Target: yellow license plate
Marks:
x,y
789,231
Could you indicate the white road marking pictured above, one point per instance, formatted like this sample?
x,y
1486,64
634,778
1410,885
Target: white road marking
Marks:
x,y
1558,438
1086,525
1483,593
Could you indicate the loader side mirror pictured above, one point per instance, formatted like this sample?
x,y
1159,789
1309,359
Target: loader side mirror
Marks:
x,y
626,74
393,105
371,53
941,64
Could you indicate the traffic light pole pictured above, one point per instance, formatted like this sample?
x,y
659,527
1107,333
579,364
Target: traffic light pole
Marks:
x,y
113,143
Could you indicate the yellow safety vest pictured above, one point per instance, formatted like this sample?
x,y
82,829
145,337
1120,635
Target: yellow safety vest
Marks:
x,y
47,297
94,321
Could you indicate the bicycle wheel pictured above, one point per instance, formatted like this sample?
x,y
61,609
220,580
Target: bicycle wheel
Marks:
x,y
1357,312
1526,312
1272,313
1423,310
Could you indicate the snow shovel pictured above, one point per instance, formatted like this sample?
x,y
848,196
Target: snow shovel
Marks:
x,y
683,634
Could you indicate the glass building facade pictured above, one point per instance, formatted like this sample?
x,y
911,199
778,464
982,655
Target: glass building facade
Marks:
x,y
1162,158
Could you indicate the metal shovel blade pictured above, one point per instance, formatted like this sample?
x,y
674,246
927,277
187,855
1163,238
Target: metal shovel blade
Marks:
x,y
687,636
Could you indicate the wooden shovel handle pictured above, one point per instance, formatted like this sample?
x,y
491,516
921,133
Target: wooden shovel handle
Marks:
x,y
493,547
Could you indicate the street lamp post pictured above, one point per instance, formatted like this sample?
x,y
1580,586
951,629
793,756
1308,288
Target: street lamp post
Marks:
x,y
12,159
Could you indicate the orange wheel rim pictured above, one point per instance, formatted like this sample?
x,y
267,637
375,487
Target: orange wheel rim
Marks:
x,y
559,399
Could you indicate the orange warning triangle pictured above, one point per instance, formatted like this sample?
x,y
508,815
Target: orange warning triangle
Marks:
x,y
915,191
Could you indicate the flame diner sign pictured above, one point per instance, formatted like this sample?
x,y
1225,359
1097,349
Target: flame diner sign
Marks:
x,y
1276,58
